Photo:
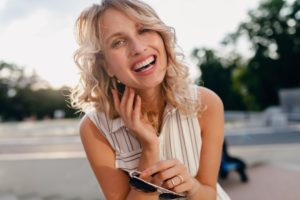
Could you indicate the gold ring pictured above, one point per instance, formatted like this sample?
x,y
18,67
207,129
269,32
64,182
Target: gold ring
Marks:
x,y
181,179
172,182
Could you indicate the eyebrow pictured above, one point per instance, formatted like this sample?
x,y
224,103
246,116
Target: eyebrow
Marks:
x,y
114,35
119,33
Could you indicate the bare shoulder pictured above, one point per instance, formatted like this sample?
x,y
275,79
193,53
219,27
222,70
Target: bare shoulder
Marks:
x,y
211,104
90,134
209,98
86,127
211,119
102,160
88,131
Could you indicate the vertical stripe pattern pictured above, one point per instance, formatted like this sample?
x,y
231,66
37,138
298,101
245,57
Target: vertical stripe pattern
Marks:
x,y
180,139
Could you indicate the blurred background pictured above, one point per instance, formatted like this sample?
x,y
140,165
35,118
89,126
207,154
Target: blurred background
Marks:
x,y
248,52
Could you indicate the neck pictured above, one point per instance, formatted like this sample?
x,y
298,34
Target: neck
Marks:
x,y
152,99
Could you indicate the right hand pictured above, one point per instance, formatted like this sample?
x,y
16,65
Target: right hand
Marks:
x,y
129,108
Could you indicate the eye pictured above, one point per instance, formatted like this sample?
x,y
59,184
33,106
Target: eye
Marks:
x,y
144,30
118,43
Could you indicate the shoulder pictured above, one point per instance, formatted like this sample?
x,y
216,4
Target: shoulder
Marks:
x,y
211,120
87,128
211,106
89,132
86,125
94,141
102,122
102,158
209,98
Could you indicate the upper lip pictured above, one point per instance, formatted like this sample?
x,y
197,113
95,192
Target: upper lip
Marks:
x,y
141,60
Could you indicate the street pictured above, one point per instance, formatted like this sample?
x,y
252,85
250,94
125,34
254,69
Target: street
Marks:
x,y
54,166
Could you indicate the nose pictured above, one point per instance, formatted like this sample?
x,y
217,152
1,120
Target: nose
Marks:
x,y
137,47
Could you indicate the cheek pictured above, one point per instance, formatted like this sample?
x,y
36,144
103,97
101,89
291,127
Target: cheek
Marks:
x,y
114,61
158,43
164,57
109,66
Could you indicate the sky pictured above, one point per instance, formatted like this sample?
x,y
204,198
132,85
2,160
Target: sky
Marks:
x,y
38,34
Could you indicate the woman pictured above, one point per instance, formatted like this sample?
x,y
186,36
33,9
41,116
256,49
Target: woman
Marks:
x,y
154,126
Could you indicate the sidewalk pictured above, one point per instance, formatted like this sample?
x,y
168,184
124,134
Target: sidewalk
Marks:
x,y
59,173
72,179
274,173
267,182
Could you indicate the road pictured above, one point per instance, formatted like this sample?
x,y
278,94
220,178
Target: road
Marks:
x,y
71,143
288,137
54,167
20,148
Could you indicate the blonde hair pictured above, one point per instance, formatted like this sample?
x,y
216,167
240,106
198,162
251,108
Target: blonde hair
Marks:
x,y
94,87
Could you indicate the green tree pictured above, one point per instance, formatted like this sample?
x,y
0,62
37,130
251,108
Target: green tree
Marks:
x,y
23,96
218,74
274,33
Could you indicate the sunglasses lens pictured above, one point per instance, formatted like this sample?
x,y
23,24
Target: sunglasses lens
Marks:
x,y
138,184
144,186
169,196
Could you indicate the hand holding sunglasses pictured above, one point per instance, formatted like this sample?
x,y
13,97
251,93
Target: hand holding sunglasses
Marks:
x,y
148,187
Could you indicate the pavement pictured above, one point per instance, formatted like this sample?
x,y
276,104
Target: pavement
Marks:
x,y
273,170
47,162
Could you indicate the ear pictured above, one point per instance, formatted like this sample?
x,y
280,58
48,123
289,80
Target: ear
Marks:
x,y
108,70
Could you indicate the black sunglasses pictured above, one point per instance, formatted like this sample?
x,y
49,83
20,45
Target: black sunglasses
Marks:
x,y
148,187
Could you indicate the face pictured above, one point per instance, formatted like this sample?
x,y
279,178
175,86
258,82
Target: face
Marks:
x,y
134,54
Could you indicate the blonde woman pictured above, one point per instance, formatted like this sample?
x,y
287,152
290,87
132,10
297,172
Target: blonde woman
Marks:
x,y
160,138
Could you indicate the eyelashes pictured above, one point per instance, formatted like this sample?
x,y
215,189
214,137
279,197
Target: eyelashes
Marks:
x,y
118,43
121,41
144,30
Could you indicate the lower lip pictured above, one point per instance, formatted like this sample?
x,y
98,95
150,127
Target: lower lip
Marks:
x,y
147,71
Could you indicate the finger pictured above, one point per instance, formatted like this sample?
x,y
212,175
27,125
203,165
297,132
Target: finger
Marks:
x,y
173,182
116,99
158,167
129,103
169,176
124,100
181,188
137,109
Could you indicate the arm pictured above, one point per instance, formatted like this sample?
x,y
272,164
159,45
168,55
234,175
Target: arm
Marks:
x,y
101,156
212,134
203,186
114,182
129,108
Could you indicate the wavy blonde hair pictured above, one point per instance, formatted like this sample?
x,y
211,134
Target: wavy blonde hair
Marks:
x,y
94,87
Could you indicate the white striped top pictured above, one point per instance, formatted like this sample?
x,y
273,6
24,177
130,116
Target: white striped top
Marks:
x,y
180,139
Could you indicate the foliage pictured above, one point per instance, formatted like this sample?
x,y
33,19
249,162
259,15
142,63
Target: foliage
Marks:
x,y
23,96
218,75
273,30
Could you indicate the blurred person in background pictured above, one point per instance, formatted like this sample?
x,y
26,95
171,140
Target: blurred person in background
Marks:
x,y
161,125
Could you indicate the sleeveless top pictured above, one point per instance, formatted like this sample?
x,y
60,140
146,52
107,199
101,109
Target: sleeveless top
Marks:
x,y
180,138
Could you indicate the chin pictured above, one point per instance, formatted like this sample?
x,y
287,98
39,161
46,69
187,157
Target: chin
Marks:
x,y
156,83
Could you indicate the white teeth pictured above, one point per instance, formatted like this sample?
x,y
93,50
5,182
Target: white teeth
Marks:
x,y
143,63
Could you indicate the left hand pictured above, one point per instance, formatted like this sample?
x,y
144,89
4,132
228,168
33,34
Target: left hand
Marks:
x,y
171,174
129,108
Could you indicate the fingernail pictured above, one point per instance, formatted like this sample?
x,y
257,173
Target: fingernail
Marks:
x,y
145,172
143,175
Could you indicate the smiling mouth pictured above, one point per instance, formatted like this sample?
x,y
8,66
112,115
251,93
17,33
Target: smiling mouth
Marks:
x,y
147,65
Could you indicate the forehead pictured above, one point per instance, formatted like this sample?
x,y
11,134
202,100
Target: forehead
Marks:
x,y
113,21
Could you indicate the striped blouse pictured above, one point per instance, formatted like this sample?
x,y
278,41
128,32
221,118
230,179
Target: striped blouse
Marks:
x,y
180,138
